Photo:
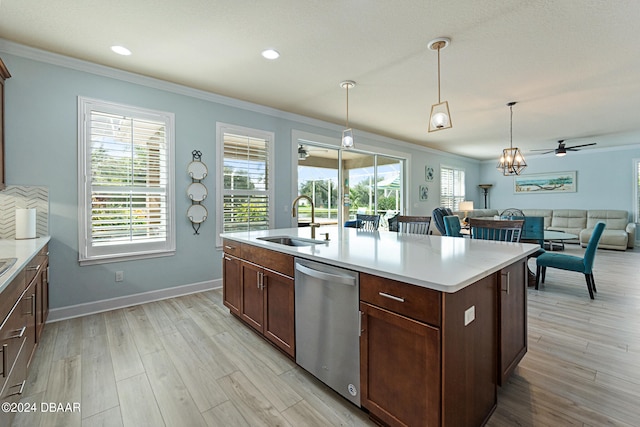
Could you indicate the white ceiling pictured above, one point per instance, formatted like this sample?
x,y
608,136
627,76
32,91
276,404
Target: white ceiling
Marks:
x,y
572,65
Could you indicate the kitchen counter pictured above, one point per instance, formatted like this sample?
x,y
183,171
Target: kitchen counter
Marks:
x,y
442,263
23,250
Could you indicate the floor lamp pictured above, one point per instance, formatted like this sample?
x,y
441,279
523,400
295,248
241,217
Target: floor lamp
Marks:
x,y
485,192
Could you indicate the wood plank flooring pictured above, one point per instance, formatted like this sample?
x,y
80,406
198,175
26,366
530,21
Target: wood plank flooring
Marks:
x,y
187,362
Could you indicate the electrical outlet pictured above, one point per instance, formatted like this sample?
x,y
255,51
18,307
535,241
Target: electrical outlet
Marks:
x,y
119,276
469,315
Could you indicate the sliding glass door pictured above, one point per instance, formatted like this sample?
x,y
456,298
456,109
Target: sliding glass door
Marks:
x,y
342,183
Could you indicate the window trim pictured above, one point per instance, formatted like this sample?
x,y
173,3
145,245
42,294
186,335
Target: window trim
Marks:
x,y
464,195
134,251
636,190
221,129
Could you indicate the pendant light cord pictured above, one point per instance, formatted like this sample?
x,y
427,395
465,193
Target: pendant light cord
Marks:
x,y
438,74
347,126
511,128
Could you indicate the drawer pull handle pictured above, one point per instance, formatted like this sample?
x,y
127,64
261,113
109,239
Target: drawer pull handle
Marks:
x,y
4,360
231,248
33,267
19,334
508,277
393,297
19,392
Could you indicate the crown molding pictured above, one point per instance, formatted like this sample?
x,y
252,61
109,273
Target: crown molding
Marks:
x,y
44,56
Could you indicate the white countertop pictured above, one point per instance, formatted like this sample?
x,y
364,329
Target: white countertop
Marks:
x,y
446,264
23,250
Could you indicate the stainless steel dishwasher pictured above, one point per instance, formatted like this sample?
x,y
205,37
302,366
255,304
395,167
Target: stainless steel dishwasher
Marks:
x,y
328,325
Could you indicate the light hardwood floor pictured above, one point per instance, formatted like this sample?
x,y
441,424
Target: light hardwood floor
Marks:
x,y
188,362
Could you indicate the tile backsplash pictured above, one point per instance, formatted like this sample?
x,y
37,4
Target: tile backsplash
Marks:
x,y
21,197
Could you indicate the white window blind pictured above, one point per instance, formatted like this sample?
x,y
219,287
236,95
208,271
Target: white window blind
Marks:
x,y
452,187
246,185
126,180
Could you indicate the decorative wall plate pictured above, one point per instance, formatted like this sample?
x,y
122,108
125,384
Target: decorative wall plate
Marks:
x,y
197,213
197,192
197,170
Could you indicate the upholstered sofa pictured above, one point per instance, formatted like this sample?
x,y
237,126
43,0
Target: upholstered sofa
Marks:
x,y
618,234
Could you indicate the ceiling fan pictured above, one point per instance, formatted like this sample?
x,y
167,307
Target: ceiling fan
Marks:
x,y
562,148
303,152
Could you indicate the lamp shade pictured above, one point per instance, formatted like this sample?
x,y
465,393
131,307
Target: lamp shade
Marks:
x,y
466,206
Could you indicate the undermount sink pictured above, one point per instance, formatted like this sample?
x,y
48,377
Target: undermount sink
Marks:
x,y
6,263
290,241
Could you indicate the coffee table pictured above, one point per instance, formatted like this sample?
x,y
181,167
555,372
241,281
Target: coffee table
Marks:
x,y
558,237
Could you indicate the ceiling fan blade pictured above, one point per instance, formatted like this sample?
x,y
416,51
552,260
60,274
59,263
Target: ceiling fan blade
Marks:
x,y
583,145
545,150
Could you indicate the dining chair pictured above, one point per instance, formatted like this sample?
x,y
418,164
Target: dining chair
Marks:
x,y
452,226
368,222
532,232
582,265
414,224
489,229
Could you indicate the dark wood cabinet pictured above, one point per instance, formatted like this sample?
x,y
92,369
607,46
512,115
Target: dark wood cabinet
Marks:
x,y
24,306
512,318
258,287
428,358
4,75
231,290
399,368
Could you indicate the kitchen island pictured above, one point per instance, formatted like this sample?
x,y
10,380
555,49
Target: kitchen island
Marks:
x,y
443,319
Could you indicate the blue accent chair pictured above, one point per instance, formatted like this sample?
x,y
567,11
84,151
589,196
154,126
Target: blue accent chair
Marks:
x,y
573,263
438,215
452,226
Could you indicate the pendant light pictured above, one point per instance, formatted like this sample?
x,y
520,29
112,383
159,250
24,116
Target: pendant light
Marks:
x,y
512,161
347,134
440,118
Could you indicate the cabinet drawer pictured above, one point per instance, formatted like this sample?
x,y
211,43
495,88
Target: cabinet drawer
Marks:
x,y
412,301
232,248
11,294
276,261
13,334
33,267
12,387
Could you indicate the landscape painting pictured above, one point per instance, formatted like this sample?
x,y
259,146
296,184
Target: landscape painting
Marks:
x,y
556,182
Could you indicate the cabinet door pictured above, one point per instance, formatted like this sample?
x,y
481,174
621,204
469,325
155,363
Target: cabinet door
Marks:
x,y
279,314
399,368
512,322
252,306
231,284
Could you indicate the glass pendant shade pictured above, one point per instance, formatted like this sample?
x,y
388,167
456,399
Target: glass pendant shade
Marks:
x,y
347,138
440,117
511,162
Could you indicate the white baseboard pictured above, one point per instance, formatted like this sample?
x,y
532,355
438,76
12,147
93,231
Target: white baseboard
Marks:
x,y
69,312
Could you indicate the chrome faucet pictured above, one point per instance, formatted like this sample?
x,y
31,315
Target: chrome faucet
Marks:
x,y
313,224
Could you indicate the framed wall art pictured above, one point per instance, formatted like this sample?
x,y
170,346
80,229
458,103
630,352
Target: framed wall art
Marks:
x,y
550,182
429,173
423,193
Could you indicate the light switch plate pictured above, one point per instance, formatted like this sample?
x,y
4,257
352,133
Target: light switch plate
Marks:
x,y
469,315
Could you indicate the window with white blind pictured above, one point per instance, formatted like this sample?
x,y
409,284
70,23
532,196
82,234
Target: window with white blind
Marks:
x,y
125,180
452,187
244,179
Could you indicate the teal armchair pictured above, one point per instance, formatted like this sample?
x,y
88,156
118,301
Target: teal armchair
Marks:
x,y
573,263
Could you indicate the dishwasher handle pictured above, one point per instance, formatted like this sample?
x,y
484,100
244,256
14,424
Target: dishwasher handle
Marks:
x,y
335,278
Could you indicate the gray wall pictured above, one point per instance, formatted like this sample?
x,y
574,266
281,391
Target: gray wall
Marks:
x,y
41,149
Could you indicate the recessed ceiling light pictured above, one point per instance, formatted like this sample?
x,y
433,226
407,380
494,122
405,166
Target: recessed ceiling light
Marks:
x,y
271,54
121,50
